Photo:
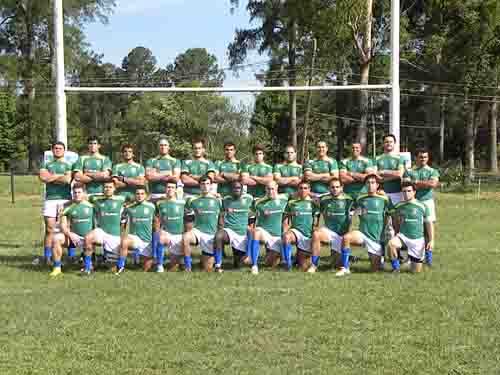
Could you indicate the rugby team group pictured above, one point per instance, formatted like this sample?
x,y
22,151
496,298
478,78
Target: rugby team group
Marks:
x,y
171,206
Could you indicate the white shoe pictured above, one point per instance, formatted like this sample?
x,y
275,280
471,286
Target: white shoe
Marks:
x,y
160,268
342,272
254,270
312,269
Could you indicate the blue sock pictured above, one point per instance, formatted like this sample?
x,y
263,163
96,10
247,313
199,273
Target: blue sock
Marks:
x,y
71,251
218,257
57,264
255,252
315,260
121,262
47,252
87,259
160,253
188,262
249,245
155,243
395,264
428,256
287,255
345,254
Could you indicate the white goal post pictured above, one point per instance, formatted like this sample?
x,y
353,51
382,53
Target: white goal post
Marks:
x,y
62,89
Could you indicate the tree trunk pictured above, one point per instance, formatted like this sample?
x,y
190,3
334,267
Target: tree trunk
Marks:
x,y
493,136
441,129
469,140
304,143
292,80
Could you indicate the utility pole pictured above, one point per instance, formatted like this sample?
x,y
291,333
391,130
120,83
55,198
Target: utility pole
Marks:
x,y
308,105
61,124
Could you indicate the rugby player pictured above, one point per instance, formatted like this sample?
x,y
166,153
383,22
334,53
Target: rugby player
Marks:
x,y
169,226
321,170
373,208
196,168
137,221
268,229
425,179
228,170
390,169
336,209
302,217
56,175
76,220
128,175
233,225
108,210
92,169
257,175
411,216
206,209
354,170
288,174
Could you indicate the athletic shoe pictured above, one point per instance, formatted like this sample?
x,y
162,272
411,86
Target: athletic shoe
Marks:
x,y
86,273
254,270
396,271
160,268
312,269
218,269
119,271
56,272
343,272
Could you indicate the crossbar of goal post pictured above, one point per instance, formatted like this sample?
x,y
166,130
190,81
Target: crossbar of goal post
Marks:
x,y
61,89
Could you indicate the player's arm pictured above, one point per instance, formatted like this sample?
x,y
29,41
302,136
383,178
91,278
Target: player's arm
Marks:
x,y
189,180
64,179
264,180
397,174
135,181
345,176
45,176
432,183
152,174
429,228
247,180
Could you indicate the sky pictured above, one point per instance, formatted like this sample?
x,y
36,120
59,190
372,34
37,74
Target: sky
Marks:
x,y
170,27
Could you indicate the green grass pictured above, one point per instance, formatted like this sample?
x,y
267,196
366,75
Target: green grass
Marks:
x,y
444,321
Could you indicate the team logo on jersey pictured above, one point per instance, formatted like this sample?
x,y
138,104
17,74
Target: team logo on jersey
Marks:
x,y
114,205
86,211
133,169
146,211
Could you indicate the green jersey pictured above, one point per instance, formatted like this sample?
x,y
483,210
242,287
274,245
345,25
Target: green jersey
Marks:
x,y
301,213
236,212
171,214
140,217
257,170
93,163
373,209
224,166
55,191
424,173
390,162
196,168
320,166
162,164
288,170
206,211
360,165
270,212
108,212
130,170
411,216
336,212
80,217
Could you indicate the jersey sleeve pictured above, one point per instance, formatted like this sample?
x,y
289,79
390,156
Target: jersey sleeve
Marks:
x,y
277,169
44,166
142,171
244,168
185,167
106,164
307,166
435,174
343,165
67,211
211,167
78,166
333,166
114,170
177,164
427,214
150,164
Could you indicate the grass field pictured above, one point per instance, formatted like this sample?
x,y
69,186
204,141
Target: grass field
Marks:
x,y
444,321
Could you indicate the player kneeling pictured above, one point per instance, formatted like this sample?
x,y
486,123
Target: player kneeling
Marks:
x,y
335,208
76,220
138,219
302,215
169,226
410,217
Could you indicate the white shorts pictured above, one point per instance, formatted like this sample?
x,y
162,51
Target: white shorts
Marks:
x,y
303,242
416,247
272,243
110,243
175,245
373,247
52,207
155,197
237,241
144,248
205,240
431,205
395,197
335,240
78,244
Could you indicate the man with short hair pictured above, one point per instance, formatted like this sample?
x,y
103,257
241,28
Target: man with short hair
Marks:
x,y
56,175
108,211
228,170
268,229
128,175
233,225
169,227
336,209
76,220
302,216
206,209
137,221
194,169
425,179
321,170
390,169
288,174
354,170
411,216
373,209
93,169
257,174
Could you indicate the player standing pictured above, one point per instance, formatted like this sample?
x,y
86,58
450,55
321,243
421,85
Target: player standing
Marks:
x,y
390,169
354,170
228,170
128,175
288,175
196,168
321,170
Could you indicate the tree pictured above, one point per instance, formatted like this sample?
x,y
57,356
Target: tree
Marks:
x,y
196,64
9,145
139,66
